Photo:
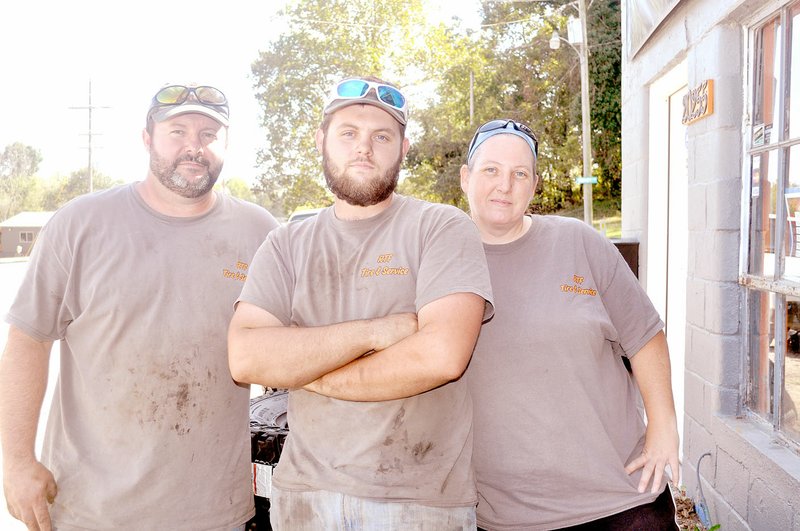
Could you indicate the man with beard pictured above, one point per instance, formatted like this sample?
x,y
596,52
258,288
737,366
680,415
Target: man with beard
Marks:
x,y
147,429
368,313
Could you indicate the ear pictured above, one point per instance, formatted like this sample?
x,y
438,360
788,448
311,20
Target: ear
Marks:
x,y
146,138
464,178
406,146
319,139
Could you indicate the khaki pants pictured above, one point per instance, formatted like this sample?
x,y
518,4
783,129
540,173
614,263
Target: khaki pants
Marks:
x,y
316,510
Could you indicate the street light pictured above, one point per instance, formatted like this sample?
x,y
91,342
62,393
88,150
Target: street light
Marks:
x,y
579,36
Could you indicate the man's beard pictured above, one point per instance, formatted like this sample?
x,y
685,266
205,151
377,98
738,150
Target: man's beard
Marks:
x,y
167,174
360,193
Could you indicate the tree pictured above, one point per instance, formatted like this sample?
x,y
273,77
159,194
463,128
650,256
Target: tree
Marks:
x,y
604,34
515,76
62,189
605,71
326,40
18,182
435,158
237,187
508,63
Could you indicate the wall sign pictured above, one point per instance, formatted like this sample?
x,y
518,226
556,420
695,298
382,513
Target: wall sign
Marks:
x,y
698,102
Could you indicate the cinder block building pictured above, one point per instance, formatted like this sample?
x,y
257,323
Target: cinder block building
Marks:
x,y
711,190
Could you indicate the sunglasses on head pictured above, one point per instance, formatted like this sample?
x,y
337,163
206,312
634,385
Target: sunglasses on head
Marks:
x,y
353,89
178,94
496,125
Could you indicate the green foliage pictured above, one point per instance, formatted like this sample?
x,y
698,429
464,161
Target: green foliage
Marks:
x,y
543,87
605,72
237,187
19,186
60,190
327,40
508,63
21,189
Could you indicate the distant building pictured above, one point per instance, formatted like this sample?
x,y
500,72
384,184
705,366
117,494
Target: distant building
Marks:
x,y
18,233
711,191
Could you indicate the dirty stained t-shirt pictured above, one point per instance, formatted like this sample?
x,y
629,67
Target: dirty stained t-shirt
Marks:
x,y
557,415
325,270
147,429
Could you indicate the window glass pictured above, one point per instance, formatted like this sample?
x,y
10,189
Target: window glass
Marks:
x,y
762,352
763,202
790,401
767,82
793,114
792,198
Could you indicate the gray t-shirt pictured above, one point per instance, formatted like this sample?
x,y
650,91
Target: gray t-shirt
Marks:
x,y
557,416
324,270
147,429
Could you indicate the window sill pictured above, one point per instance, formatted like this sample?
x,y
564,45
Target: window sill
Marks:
x,y
766,443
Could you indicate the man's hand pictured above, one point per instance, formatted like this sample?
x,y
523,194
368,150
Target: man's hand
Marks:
x,y
29,488
393,328
23,379
386,331
434,355
262,350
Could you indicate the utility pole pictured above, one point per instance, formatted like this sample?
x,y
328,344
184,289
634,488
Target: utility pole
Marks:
x,y
90,108
579,41
588,214
471,97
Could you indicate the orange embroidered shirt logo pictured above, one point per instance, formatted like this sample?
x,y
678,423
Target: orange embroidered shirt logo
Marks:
x,y
239,272
382,270
577,288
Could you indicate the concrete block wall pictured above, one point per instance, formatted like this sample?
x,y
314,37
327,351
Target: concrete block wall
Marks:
x,y
749,481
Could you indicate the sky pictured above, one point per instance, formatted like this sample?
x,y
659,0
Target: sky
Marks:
x,y
51,50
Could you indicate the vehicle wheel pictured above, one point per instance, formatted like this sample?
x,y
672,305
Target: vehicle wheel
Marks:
x,y
268,430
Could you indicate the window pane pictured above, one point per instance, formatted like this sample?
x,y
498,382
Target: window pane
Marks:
x,y
767,82
790,401
763,192
792,196
762,352
793,112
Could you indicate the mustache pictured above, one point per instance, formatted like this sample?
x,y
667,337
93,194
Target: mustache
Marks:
x,y
197,159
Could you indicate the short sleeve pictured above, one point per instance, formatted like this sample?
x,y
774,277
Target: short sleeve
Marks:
x,y
628,305
270,280
42,308
453,261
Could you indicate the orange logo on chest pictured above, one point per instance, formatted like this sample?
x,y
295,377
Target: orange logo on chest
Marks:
x,y
240,272
382,270
577,287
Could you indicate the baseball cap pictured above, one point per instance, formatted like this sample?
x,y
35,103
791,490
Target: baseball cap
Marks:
x,y
174,100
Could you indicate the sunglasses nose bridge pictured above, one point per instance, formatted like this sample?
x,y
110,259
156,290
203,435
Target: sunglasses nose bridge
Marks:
x,y
191,95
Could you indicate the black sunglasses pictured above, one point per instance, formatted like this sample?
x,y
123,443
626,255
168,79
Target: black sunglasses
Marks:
x,y
494,125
